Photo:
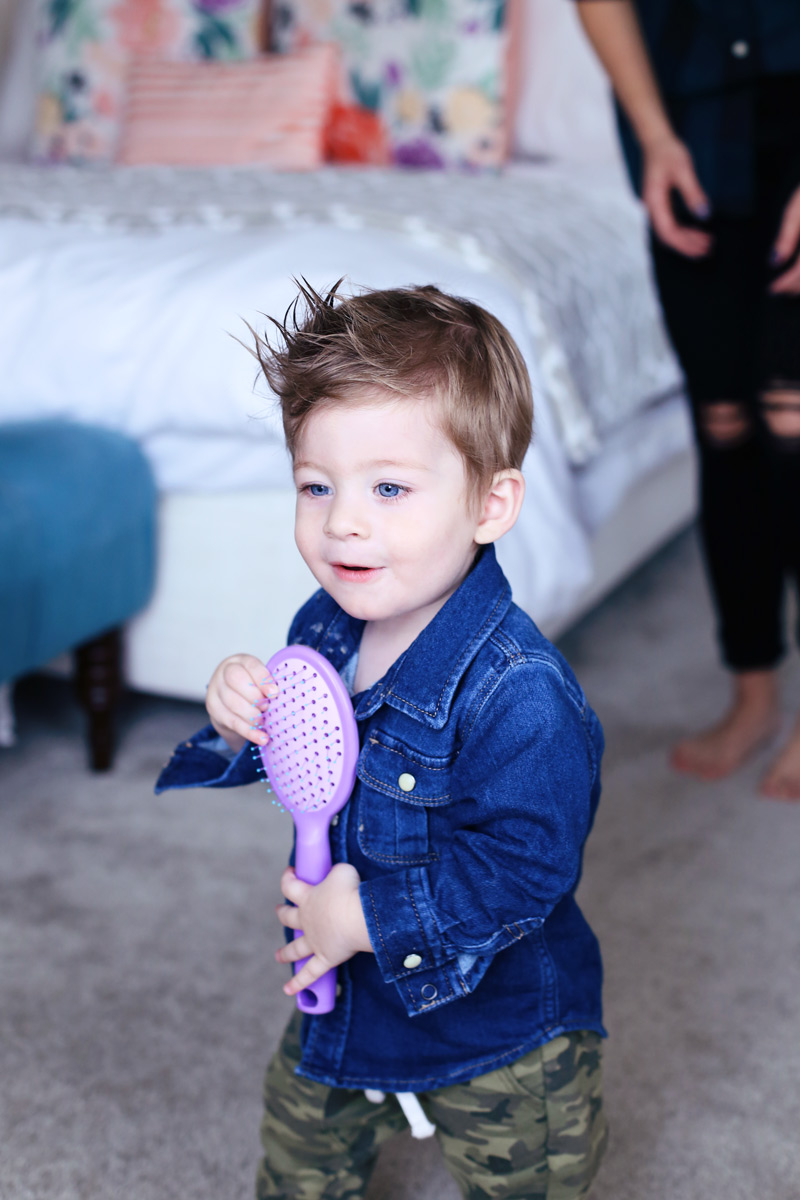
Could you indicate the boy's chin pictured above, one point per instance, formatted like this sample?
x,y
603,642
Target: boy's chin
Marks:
x,y
363,607
359,610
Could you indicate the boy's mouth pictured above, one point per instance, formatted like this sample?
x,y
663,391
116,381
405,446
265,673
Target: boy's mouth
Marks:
x,y
353,572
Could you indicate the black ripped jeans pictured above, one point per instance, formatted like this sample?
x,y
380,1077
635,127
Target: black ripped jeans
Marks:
x,y
739,347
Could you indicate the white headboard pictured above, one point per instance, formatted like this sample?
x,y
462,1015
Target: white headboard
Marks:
x,y
565,109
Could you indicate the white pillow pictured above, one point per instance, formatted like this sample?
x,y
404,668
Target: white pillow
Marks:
x,y
564,109
18,84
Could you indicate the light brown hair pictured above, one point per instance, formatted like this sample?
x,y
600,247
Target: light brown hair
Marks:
x,y
411,341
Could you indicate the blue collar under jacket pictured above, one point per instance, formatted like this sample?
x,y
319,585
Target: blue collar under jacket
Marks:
x,y
469,866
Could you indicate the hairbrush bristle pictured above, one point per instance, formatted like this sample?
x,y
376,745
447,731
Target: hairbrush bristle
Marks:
x,y
305,756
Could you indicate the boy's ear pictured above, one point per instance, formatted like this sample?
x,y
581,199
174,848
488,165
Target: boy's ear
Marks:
x,y
501,506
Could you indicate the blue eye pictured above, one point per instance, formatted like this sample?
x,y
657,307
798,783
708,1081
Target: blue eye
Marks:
x,y
317,489
389,491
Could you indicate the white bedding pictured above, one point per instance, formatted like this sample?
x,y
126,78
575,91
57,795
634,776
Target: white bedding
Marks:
x,y
120,289
567,245
133,330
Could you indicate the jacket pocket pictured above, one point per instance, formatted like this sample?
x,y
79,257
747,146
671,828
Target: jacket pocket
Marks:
x,y
400,790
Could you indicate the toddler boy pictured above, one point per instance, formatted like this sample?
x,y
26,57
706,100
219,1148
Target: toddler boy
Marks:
x,y
467,973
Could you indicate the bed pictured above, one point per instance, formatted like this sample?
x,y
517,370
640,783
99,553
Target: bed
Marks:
x,y
124,291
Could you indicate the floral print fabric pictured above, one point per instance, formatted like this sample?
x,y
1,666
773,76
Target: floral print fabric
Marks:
x,y
85,46
423,80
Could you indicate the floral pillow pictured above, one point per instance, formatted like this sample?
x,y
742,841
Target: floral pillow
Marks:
x,y
423,80
85,46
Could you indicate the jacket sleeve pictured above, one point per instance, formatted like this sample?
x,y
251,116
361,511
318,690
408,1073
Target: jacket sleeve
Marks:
x,y
205,760
524,789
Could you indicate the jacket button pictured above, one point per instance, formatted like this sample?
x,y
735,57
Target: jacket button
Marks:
x,y
407,782
411,960
428,992
740,49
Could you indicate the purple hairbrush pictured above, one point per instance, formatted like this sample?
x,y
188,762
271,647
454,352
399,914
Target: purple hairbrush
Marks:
x,y
310,761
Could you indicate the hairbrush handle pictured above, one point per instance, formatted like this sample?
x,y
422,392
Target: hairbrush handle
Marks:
x,y
310,760
312,862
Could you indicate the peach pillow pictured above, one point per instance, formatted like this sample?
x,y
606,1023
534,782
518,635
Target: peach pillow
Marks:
x,y
269,112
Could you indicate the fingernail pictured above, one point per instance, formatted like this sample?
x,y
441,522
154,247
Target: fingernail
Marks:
x,y
775,256
702,210
272,689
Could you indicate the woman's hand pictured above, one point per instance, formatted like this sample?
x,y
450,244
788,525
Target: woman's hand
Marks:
x,y
785,246
668,166
331,918
239,691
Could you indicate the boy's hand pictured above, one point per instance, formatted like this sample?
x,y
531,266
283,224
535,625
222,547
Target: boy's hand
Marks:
x,y
332,921
239,691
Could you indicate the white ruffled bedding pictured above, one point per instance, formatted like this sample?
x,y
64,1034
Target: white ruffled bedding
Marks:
x,y
568,247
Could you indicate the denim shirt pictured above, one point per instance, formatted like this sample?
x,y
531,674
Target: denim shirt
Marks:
x,y
468,876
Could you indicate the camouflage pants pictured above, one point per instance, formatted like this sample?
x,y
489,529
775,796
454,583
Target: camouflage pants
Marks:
x,y
533,1130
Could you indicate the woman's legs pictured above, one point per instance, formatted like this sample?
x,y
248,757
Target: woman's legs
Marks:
x,y
711,311
778,175
780,403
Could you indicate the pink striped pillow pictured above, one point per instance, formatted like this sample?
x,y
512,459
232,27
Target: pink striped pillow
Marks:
x,y
270,112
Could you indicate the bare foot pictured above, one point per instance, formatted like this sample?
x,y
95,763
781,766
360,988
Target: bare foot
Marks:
x,y
782,781
751,720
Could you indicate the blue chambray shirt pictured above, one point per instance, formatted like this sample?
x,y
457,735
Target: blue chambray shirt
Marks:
x,y
468,877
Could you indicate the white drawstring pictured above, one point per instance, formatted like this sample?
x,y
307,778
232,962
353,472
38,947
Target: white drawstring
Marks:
x,y
421,1127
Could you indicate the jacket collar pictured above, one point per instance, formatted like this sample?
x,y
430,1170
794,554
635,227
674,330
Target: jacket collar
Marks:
x,y
423,681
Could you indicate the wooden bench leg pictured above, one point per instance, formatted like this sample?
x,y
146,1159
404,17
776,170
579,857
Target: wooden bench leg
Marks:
x,y
99,683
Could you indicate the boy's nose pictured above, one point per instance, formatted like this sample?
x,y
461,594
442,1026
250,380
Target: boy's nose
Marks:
x,y
345,520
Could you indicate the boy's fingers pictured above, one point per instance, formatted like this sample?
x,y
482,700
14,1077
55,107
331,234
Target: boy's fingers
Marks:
x,y
238,700
293,888
309,973
261,678
288,915
293,951
269,688
242,715
248,676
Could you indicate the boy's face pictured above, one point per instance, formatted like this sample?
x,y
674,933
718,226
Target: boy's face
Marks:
x,y
383,518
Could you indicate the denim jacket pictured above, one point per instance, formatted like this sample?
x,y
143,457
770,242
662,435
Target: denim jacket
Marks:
x,y
469,866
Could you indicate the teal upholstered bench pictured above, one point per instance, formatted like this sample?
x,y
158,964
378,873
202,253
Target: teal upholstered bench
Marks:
x,y
77,556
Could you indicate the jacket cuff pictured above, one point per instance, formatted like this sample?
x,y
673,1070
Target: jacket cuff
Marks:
x,y
206,761
408,949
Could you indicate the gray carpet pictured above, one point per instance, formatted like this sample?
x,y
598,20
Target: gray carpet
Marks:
x,y
139,1000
